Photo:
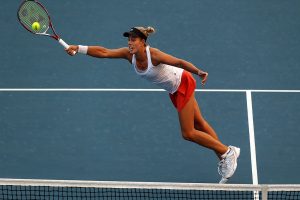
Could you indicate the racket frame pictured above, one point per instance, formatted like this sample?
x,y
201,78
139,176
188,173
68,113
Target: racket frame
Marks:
x,y
50,25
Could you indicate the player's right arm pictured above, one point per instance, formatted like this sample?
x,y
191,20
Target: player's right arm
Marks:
x,y
102,52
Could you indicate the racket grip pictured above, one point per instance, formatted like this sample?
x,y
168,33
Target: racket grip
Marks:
x,y
64,44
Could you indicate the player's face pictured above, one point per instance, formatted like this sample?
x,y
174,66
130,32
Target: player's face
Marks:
x,y
135,44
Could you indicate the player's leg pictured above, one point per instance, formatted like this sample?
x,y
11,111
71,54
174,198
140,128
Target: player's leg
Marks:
x,y
186,119
202,125
228,163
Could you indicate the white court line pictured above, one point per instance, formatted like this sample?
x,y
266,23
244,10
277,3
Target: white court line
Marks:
x,y
133,90
252,143
252,137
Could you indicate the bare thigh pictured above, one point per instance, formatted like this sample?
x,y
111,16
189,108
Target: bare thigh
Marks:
x,y
186,116
201,124
199,121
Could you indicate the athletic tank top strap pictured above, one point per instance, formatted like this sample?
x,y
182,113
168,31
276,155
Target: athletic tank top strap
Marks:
x,y
133,60
150,65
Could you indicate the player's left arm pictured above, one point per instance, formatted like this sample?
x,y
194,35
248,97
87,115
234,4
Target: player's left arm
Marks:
x,y
165,58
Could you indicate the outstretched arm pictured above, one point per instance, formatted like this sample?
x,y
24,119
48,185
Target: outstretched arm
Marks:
x,y
162,57
101,52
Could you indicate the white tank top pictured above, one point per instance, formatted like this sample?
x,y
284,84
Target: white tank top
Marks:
x,y
166,76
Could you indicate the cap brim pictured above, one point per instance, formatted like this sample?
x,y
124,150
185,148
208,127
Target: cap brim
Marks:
x,y
130,33
126,34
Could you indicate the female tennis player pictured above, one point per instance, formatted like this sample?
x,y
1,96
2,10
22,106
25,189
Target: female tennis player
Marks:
x,y
173,75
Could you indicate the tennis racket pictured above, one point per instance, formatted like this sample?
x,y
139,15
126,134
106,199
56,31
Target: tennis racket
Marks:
x,y
32,11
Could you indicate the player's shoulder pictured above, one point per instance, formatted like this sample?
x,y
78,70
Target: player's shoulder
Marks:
x,y
124,49
155,52
125,52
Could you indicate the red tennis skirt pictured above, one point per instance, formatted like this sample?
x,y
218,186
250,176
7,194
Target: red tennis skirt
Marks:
x,y
184,91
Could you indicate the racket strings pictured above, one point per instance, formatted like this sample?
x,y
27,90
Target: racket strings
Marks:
x,y
31,12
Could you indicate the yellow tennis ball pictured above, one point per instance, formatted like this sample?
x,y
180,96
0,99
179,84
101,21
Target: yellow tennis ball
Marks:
x,y
36,26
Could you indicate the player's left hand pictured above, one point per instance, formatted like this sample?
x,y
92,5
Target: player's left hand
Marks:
x,y
203,76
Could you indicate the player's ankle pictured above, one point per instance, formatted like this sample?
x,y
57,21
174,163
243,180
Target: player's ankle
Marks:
x,y
226,152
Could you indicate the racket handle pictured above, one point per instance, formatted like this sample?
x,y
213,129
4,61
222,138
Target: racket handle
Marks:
x,y
64,44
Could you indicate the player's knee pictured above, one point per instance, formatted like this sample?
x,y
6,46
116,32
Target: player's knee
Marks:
x,y
187,134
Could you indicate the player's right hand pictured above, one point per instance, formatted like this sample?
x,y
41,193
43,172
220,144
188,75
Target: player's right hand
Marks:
x,y
72,50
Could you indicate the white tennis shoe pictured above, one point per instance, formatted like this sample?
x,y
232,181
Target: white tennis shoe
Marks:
x,y
228,164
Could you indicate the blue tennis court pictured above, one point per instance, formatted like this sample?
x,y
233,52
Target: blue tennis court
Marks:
x,y
134,135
